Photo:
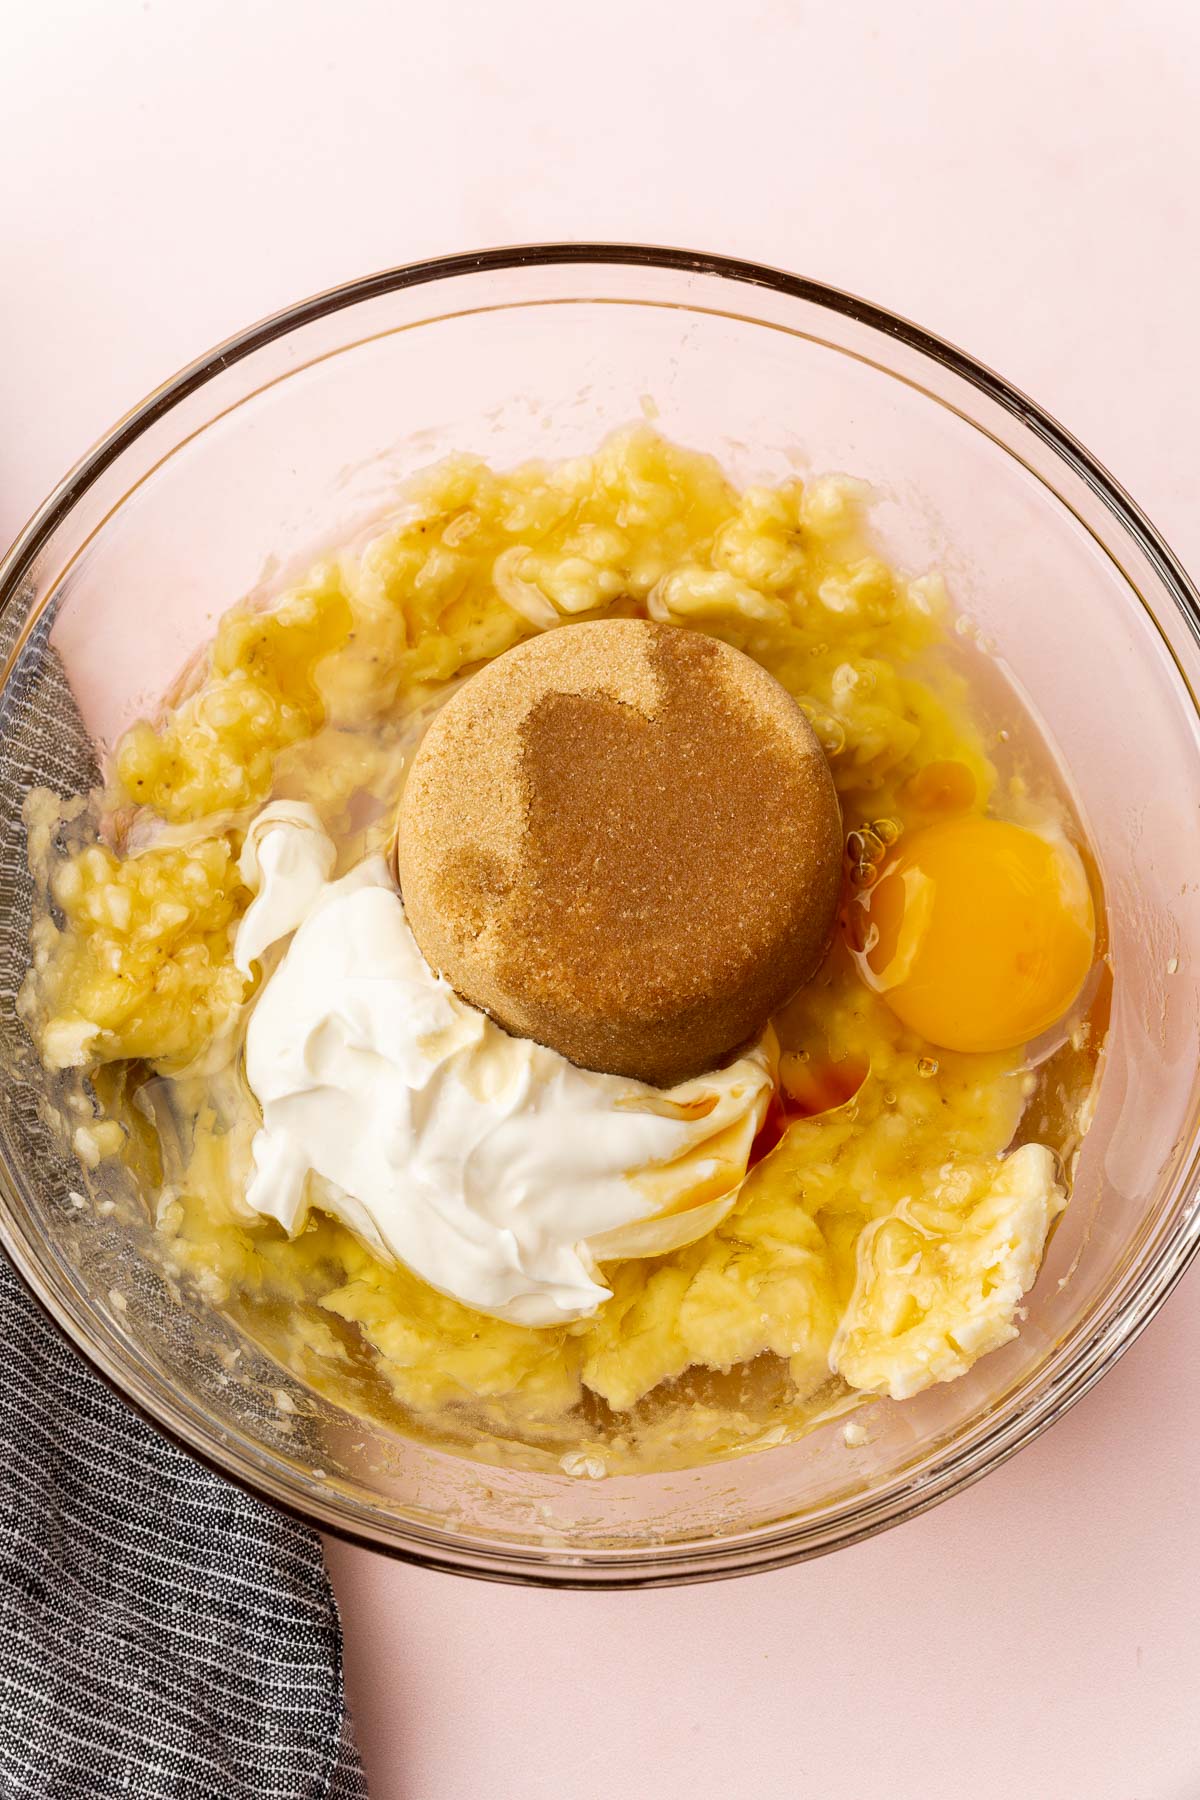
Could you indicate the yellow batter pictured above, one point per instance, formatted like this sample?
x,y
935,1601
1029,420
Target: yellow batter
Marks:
x,y
884,1243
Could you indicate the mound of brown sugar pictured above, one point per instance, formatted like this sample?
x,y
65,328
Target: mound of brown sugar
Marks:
x,y
622,839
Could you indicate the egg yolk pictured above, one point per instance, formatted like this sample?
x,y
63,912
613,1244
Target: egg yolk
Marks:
x,y
978,934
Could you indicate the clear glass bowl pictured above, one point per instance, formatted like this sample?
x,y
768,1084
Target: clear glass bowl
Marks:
x,y
293,435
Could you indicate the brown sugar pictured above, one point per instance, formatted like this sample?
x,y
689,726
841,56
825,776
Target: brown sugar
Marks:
x,y
622,839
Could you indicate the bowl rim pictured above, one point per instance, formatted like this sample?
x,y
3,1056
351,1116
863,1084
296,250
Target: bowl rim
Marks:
x,y
776,1546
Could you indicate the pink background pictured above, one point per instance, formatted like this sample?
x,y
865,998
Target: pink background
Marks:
x,y
1022,179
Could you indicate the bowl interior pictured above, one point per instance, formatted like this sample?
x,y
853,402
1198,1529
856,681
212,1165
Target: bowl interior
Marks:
x,y
296,438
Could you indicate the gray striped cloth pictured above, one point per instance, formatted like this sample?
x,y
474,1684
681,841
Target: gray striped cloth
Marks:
x,y
163,1636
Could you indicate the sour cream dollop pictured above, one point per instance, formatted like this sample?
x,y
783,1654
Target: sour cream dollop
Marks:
x,y
498,1171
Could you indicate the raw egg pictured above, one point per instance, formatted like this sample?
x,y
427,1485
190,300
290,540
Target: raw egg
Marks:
x,y
978,934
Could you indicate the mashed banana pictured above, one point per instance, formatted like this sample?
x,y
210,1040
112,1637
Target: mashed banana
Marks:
x,y
882,1244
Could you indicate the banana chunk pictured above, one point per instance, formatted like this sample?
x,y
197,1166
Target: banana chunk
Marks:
x,y
940,1278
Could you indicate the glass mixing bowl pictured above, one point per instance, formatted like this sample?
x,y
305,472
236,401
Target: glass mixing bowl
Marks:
x,y
293,435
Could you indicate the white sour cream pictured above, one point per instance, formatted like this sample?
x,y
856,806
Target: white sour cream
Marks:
x,y
491,1166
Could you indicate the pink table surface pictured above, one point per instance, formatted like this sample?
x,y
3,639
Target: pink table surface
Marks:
x,y
1021,178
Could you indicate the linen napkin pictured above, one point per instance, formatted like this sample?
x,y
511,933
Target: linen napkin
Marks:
x,y
163,1636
